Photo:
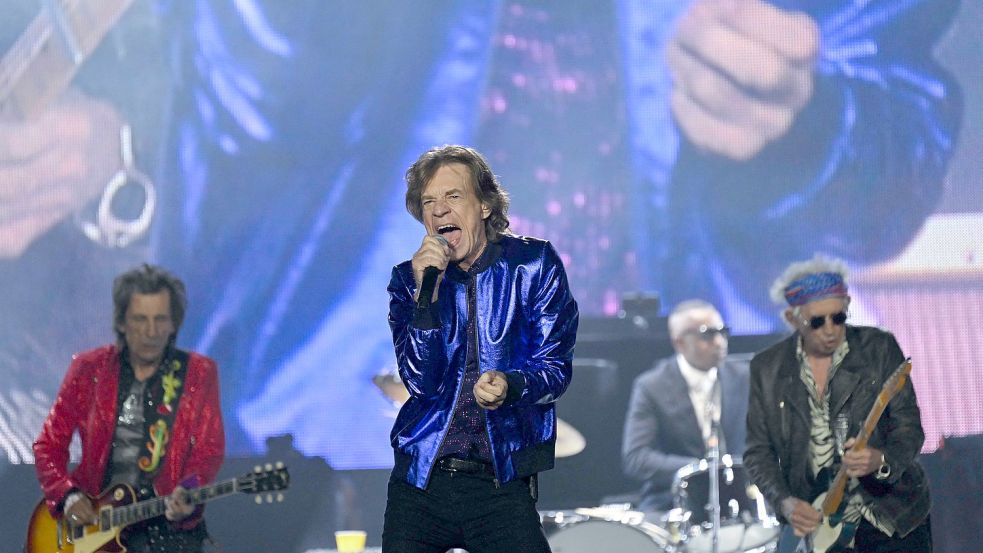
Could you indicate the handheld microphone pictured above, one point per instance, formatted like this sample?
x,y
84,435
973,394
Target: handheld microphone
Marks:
x,y
430,275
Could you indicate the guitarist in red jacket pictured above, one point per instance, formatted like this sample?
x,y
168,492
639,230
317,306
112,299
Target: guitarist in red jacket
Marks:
x,y
823,378
147,415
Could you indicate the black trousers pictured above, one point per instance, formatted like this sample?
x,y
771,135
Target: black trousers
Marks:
x,y
462,510
869,539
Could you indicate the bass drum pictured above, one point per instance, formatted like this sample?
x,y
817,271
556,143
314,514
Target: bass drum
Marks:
x,y
605,536
747,524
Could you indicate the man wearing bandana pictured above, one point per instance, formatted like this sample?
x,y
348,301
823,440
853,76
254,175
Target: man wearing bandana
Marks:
x,y
147,414
810,395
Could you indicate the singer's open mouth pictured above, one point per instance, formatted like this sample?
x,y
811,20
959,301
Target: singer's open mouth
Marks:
x,y
452,233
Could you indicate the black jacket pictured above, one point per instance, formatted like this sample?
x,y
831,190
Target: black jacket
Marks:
x,y
661,433
778,425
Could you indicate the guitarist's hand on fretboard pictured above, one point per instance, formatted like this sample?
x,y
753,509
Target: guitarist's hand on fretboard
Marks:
x,y
803,517
178,506
862,461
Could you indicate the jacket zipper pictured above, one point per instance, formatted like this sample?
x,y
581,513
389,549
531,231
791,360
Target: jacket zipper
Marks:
x,y
473,327
785,431
457,394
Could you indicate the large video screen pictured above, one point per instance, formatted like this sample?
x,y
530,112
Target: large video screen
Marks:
x,y
256,148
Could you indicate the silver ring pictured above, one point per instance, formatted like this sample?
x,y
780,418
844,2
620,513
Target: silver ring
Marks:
x,y
75,517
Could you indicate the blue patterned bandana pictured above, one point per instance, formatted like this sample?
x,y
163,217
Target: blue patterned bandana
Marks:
x,y
815,286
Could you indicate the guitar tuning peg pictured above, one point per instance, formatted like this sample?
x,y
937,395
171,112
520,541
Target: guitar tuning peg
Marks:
x,y
279,464
259,500
269,466
279,498
269,498
257,469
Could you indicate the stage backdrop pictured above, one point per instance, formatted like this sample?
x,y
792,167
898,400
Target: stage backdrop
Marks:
x,y
267,142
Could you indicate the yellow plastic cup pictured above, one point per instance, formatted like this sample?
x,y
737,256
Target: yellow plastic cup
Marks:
x,y
350,541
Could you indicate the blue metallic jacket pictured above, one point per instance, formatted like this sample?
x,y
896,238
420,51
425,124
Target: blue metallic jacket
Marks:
x,y
526,327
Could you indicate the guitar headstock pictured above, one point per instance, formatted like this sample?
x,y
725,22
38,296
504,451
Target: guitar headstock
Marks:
x,y
894,384
267,479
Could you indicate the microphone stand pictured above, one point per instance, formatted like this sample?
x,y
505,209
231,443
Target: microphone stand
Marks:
x,y
713,457
713,461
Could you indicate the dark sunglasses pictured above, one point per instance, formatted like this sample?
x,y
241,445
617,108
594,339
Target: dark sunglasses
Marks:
x,y
708,333
818,321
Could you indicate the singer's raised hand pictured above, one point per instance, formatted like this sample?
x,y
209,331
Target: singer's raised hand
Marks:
x,y
433,252
742,70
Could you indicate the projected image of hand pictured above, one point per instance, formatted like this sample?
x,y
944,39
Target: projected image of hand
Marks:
x,y
742,71
52,165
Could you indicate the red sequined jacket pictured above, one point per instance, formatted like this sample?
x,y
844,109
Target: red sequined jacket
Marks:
x,y
86,402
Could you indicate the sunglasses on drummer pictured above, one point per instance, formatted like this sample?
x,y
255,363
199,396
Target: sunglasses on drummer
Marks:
x,y
818,321
708,333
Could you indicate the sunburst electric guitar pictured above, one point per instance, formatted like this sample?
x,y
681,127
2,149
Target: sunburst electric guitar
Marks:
x,y
117,508
833,534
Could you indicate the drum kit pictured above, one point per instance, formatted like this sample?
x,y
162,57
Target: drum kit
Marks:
x,y
747,525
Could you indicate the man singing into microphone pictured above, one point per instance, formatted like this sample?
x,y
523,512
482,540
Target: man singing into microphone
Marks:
x,y
484,343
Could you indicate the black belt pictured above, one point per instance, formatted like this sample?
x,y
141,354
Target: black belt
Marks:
x,y
453,464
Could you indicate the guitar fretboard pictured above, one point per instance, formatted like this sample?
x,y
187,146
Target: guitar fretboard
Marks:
x,y
150,508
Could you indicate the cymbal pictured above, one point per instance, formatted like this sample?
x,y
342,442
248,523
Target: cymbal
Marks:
x,y
392,387
568,440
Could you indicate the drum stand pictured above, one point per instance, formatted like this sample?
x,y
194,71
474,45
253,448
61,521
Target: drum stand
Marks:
x,y
713,460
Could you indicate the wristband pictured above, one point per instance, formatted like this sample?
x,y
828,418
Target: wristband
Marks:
x,y
884,470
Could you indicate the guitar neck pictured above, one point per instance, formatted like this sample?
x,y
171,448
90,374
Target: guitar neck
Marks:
x,y
45,58
836,491
155,506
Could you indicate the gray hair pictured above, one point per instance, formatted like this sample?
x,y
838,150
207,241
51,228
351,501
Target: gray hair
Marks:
x,y
486,186
682,308
818,264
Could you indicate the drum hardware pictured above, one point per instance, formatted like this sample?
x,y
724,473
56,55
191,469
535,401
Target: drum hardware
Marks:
x,y
746,523
616,527
553,521
615,512
592,536
713,455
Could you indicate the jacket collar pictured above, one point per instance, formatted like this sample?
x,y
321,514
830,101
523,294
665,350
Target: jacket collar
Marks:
x,y
847,378
493,250
849,375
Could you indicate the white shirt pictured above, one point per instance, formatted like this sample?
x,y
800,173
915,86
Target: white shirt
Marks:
x,y
701,385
